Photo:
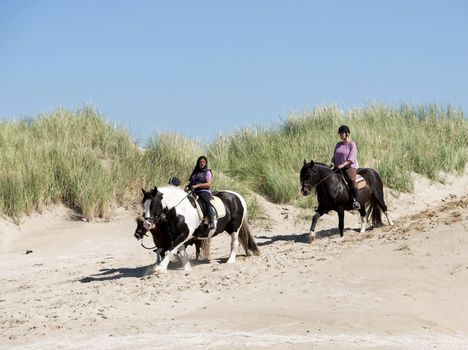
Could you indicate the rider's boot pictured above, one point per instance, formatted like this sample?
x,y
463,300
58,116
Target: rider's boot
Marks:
x,y
354,197
211,217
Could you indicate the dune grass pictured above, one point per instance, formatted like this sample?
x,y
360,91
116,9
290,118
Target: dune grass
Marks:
x,y
79,159
397,141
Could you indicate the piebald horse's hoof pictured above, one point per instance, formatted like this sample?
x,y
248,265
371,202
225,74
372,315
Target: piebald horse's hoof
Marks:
x,y
311,237
159,270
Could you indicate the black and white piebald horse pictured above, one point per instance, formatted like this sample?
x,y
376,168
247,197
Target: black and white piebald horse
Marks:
x,y
333,194
175,209
162,239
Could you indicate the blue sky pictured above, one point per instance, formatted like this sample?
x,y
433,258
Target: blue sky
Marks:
x,y
204,68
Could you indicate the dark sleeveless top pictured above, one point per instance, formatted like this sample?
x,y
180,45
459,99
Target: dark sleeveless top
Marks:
x,y
199,178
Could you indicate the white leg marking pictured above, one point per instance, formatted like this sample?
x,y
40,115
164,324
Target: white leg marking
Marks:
x,y
312,227
162,267
362,220
234,246
390,222
185,259
311,236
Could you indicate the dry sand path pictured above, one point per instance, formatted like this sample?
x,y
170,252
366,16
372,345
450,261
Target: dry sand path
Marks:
x,y
86,285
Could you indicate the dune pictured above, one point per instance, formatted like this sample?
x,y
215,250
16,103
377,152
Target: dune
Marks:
x,y
69,284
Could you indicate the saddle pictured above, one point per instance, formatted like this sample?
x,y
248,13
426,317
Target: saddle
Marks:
x,y
360,181
216,202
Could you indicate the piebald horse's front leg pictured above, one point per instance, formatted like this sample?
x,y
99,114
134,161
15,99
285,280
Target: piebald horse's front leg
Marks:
x,y
185,259
312,226
162,267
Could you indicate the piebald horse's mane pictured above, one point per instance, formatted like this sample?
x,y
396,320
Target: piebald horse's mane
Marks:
x,y
173,196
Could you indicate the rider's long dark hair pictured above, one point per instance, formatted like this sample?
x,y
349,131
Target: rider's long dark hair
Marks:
x,y
197,168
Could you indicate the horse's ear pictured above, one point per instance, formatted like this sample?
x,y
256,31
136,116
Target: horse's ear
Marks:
x,y
143,190
155,189
311,162
305,162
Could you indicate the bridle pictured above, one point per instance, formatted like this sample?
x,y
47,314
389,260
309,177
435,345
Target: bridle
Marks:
x,y
309,186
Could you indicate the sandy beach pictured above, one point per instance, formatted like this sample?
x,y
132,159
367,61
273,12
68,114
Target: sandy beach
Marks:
x,y
70,284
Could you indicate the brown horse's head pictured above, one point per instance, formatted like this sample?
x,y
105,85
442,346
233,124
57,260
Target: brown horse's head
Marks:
x,y
142,227
307,177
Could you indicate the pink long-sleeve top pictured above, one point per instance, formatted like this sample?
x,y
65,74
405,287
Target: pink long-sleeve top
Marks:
x,y
345,151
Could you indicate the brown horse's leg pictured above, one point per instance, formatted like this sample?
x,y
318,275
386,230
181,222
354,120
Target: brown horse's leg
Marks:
x,y
341,220
312,226
390,222
362,219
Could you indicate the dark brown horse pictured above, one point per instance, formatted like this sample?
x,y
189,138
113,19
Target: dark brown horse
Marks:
x,y
333,194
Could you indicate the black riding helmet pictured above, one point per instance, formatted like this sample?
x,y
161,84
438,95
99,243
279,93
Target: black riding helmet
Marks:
x,y
343,128
175,181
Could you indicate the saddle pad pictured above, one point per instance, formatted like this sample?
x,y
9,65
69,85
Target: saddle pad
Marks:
x,y
361,182
217,203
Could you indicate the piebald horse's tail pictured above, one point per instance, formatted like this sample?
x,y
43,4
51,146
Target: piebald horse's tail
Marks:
x,y
246,239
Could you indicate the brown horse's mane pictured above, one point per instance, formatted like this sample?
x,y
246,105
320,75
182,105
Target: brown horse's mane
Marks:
x,y
319,163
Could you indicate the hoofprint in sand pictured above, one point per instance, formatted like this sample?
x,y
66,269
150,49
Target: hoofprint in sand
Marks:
x,y
67,284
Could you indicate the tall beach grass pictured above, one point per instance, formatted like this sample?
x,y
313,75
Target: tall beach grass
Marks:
x,y
77,158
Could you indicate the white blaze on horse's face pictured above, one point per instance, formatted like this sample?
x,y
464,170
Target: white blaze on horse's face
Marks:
x,y
146,207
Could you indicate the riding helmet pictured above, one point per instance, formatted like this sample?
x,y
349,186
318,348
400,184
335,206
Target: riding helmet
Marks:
x,y
175,181
343,128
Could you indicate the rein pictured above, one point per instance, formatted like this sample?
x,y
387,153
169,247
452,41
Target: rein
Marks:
x,y
326,177
146,246
182,199
150,219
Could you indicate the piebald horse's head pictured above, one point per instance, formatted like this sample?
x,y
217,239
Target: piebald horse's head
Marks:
x,y
152,205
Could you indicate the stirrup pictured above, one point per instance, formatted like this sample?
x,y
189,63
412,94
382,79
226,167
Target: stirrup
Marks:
x,y
356,205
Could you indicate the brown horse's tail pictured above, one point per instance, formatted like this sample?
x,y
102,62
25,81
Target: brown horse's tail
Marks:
x,y
375,205
375,213
246,239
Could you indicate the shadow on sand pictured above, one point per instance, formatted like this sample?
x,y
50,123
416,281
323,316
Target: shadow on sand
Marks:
x,y
114,274
304,237
140,272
